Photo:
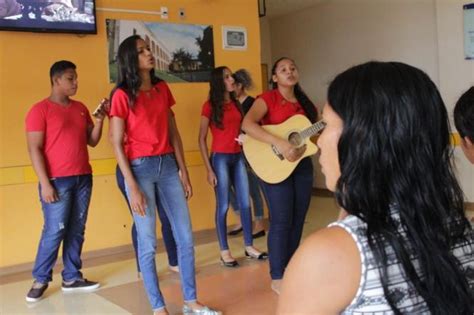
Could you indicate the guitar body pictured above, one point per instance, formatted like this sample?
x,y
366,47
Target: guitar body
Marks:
x,y
265,161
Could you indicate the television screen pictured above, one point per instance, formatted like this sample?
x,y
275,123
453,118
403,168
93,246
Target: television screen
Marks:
x,y
61,16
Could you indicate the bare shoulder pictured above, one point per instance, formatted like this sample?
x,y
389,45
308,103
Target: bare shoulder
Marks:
x,y
256,112
259,105
323,276
330,247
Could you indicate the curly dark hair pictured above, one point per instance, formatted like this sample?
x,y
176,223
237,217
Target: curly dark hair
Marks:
x,y
394,151
128,75
303,99
243,77
464,114
216,96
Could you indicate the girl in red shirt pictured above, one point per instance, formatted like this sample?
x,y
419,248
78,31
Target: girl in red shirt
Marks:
x,y
222,114
150,160
288,200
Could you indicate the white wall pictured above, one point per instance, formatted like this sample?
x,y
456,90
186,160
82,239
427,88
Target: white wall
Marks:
x,y
455,73
331,36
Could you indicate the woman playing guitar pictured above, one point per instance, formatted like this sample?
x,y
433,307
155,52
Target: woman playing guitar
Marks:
x,y
289,199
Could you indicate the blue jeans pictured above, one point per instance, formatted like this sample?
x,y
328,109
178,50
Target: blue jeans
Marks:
x,y
230,170
64,221
168,238
158,179
254,187
288,204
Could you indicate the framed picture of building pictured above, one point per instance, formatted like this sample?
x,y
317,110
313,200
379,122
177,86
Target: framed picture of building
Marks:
x,y
234,37
182,52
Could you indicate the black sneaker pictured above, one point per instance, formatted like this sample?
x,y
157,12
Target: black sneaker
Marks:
x,y
36,292
80,285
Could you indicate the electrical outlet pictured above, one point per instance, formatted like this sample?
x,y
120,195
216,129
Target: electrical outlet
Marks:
x,y
181,13
164,12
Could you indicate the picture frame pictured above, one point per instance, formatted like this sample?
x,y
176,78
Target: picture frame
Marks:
x,y
183,53
234,38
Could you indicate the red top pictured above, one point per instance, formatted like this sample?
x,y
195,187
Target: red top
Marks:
x,y
278,108
65,136
146,124
223,140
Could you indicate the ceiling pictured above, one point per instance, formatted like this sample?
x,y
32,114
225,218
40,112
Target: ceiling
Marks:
x,y
277,8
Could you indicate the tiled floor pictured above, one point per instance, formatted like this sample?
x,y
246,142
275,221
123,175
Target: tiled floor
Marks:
x,y
243,290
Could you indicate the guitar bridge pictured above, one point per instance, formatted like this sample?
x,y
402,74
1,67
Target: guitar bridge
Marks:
x,y
277,153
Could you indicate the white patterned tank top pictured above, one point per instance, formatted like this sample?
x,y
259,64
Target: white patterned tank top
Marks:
x,y
370,298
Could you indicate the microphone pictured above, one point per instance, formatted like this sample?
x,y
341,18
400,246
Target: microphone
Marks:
x,y
102,109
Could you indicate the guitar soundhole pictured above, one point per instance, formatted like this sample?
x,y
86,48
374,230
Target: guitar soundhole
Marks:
x,y
295,139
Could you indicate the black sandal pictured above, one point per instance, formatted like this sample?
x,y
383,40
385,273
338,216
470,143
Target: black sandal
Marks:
x,y
230,264
259,234
235,232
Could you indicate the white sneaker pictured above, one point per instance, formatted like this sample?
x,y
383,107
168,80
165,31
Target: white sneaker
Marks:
x,y
203,311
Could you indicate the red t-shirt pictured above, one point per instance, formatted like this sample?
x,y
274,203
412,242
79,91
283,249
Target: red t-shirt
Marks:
x,y
223,140
65,136
278,108
146,124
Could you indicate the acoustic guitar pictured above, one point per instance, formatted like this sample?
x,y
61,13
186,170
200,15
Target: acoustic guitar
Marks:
x,y
265,160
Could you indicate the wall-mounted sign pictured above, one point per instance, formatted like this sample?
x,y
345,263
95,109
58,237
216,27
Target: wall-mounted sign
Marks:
x,y
469,31
234,37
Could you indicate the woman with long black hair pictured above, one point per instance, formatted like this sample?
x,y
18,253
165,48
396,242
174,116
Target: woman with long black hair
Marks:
x,y
288,201
405,246
222,114
150,159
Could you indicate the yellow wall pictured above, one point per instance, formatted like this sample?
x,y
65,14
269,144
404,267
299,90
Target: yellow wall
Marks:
x,y
25,59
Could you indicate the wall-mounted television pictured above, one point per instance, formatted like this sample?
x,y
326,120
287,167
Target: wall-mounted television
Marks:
x,y
54,16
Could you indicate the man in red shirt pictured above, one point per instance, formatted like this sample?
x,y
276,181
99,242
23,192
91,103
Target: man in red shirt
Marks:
x,y
58,130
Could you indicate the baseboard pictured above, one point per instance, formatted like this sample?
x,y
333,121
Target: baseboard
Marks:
x,y
89,259
97,257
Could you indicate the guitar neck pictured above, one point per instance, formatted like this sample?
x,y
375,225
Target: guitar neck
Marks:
x,y
313,129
